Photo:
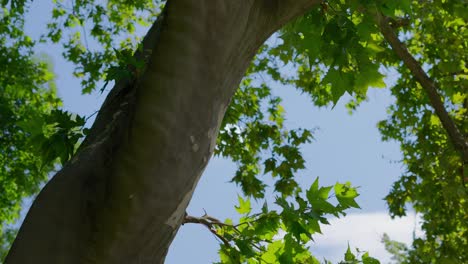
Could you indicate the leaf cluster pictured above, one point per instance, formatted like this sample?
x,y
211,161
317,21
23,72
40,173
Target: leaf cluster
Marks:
x,y
94,35
34,131
284,235
434,181
252,130
26,90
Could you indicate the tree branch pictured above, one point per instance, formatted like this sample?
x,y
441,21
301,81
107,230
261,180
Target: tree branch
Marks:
x,y
455,136
209,222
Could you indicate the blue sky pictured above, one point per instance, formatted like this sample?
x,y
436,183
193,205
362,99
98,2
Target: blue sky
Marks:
x,y
346,148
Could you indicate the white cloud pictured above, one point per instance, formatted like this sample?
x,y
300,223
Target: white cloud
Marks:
x,y
363,231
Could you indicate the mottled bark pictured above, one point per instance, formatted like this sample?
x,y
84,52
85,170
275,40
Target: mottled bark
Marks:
x,y
123,197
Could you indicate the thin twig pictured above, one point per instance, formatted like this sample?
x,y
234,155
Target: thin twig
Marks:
x,y
209,224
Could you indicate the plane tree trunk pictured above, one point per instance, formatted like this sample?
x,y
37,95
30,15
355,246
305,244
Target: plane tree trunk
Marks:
x,y
123,196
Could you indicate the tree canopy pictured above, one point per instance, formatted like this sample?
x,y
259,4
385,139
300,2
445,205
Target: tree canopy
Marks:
x,y
338,47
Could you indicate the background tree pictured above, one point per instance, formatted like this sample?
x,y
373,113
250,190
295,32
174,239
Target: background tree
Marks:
x,y
429,115
28,101
337,47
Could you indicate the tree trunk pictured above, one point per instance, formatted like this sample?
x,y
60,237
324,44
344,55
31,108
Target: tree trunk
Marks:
x,y
122,198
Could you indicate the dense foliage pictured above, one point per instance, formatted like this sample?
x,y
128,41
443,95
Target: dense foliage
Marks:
x,y
338,47
27,92
353,48
435,181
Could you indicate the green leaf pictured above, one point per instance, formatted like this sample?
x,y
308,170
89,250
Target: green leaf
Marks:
x,y
245,248
349,256
369,76
366,259
244,207
297,229
339,81
317,197
270,165
324,191
345,195
274,250
265,207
